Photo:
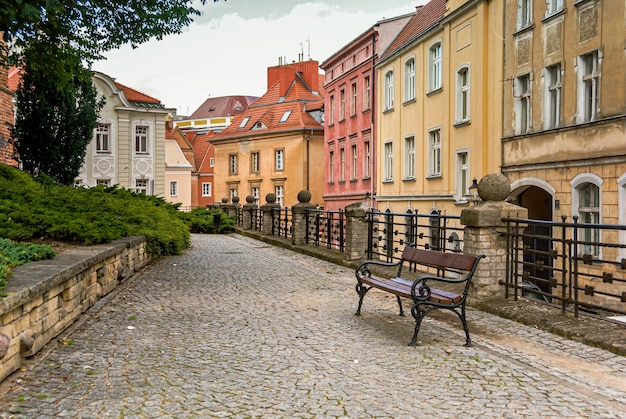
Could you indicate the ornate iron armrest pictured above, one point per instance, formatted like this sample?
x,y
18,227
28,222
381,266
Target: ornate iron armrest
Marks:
x,y
363,270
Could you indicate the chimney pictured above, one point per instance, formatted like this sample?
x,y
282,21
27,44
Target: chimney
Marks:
x,y
286,74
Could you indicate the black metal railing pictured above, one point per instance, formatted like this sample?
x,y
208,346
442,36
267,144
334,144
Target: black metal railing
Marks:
x,y
389,233
576,266
282,222
326,228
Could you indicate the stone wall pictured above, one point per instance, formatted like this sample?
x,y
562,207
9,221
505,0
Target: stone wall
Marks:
x,y
6,119
46,297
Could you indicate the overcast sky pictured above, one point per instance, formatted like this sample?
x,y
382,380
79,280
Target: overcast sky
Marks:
x,y
227,50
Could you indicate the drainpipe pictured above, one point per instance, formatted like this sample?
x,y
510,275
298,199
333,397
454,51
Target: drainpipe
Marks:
x,y
373,145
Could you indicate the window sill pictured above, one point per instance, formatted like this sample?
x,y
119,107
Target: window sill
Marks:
x,y
526,28
462,123
386,111
434,91
553,15
434,177
408,179
366,178
353,180
108,153
387,181
461,203
408,102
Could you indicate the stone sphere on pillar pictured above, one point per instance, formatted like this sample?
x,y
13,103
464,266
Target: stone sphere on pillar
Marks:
x,y
225,200
270,198
304,196
250,199
494,187
235,199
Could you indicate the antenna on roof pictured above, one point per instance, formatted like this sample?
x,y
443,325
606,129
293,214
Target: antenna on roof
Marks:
x,y
301,56
308,41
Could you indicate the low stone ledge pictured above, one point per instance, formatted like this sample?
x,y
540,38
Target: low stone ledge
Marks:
x,y
45,297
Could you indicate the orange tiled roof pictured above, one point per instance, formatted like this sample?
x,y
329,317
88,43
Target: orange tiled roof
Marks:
x,y
264,115
201,147
426,17
14,78
138,98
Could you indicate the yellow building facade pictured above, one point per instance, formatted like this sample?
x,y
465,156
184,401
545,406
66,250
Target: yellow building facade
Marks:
x,y
440,107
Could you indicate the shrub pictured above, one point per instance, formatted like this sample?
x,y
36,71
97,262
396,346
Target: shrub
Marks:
x,y
201,220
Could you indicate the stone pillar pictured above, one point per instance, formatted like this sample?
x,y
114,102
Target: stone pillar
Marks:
x,y
482,235
248,213
298,217
268,214
234,207
356,231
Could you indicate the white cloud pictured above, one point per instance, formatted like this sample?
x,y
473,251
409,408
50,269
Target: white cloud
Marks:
x,y
229,53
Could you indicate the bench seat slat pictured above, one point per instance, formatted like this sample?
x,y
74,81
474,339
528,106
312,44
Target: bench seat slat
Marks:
x,y
402,288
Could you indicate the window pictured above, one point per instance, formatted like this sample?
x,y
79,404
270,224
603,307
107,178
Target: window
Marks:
x,y
434,153
342,165
102,138
353,99
462,95
524,13
588,84
255,162
462,176
366,93
435,230
554,6
411,228
331,159
589,212
354,161
435,67
244,121
331,119
553,97
388,162
256,194
141,186
409,157
389,90
280,159
285,117
342,104
106,183
366,159
173,188
522,104
409,82
280,195
207,188
232,167
232,193
212,162
141,139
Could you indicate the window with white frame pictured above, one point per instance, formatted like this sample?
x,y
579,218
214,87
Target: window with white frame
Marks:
x,y
588,86
434,153
207,189
256,194
280,195
462,175
232,193
102,134
279,159
553,6
409,157
141,139
173,188
232,165
366,159
141,186
285,117
552,101
463,94
255,162
586,204
342,104
342,164
389,92
388,161
212,162
524,13
366,93
105,182
409,82
353,168
331,119
435,76
353,98
244,121
522,104
331,160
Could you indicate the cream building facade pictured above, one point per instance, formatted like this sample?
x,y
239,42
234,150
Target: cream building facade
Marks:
x,y
128,148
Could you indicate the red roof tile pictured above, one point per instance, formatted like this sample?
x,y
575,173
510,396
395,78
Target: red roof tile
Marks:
x,y
14,78
137,97
426,17
223,106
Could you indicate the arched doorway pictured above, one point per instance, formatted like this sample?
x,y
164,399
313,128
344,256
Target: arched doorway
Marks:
x,y
537,237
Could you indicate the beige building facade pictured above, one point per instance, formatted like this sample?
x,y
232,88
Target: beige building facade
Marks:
x,y
439,107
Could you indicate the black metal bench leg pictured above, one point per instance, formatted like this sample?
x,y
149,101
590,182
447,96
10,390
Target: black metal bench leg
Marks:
x,y
400,304
361,290
468,341
418,314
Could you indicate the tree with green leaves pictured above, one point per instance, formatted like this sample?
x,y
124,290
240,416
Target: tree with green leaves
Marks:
x,y
90,26
57,111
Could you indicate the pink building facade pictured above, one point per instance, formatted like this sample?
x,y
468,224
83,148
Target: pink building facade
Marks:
x,y
349,114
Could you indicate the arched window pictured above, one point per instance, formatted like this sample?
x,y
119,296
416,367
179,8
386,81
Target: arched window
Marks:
x,y
586,205
389,92
435,75
409,80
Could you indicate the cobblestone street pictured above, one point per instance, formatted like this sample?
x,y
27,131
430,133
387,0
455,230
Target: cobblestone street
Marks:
x,y
239,328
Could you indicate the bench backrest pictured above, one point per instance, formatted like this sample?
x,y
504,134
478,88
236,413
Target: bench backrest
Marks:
x,y
438,259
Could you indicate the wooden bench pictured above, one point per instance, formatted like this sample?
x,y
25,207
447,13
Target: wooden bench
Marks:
x,y
451,268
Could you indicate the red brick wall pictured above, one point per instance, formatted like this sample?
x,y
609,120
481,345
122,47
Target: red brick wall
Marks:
x,y
6,119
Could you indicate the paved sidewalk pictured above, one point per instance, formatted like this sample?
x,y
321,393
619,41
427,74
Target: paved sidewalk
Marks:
x,y
239,328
